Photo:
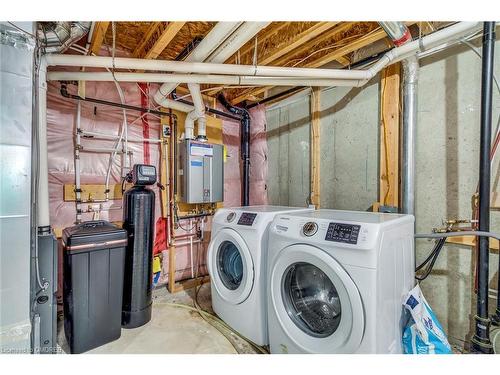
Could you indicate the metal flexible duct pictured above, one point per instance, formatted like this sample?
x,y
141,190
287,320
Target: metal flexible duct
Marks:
x,y
400,34
397,31
57,37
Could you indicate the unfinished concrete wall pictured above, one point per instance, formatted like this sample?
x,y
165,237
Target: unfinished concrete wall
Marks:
x,y
349,148
449,98
447,165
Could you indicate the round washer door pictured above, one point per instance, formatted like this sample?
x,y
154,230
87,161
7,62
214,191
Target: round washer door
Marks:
x,y
230,266
317,303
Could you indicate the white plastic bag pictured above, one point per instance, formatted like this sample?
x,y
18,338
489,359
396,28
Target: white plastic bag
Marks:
x,y
423,334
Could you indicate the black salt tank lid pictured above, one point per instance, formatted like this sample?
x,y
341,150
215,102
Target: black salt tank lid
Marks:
x,y
93,235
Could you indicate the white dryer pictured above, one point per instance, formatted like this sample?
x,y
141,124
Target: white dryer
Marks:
x,y
237,259
337,281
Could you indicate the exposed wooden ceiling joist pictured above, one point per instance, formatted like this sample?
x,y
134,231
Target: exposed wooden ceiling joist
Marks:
x,y
298,40
325,36
139,50
328,35
157,39
337,53
98,34
342,51
262,37
301,44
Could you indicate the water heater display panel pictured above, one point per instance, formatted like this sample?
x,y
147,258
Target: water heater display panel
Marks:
x,y
346,233
247,218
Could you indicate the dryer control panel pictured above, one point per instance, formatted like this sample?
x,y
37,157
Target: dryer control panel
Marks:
x,y
247,218
346,233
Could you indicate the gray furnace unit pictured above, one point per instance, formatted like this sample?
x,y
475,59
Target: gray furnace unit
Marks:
x,y
201,172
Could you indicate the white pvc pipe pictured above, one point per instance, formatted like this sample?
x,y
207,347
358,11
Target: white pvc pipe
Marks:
x,y
200,79
235,41
451,33
178,106
199,110
43,216
201,67
211,41
189,125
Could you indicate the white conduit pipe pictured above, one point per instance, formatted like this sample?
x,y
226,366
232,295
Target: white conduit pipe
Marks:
x,y
200,79
451,33
210,42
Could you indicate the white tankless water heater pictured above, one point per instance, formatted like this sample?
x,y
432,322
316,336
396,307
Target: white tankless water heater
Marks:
x,y
201,172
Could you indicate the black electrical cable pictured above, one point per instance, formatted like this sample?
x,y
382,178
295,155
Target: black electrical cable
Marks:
x,y
431,259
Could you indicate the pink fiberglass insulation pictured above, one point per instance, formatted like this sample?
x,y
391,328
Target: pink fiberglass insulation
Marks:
x,y
258,159
258,156
61,125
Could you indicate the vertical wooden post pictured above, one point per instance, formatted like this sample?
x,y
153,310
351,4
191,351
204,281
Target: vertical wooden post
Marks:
x,y
315,146
390,103
98,35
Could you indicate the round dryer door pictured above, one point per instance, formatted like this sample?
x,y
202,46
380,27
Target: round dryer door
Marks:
x,y
230,266
316,302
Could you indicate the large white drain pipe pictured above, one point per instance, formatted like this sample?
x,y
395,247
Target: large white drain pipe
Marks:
x,y
247,74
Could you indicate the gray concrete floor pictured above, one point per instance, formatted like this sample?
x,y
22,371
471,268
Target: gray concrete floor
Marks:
x,y
172,330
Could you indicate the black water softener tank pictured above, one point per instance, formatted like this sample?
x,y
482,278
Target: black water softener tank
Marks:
x,y
138,221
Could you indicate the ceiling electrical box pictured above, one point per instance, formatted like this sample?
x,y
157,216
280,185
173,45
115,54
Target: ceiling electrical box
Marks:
x,y
201,172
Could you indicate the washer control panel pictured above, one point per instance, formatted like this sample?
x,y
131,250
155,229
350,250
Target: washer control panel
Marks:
x,y
247,218
346,233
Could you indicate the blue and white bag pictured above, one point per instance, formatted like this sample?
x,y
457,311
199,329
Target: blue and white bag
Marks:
x,y
423,334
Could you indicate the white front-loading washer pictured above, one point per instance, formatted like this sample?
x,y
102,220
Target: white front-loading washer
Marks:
x,y
237,259
337,281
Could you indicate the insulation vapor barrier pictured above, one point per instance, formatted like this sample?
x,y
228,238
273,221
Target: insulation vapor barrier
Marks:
x,y
61,125
258,159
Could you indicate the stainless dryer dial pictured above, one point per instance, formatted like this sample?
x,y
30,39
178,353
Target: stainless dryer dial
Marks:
x,y
309,229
